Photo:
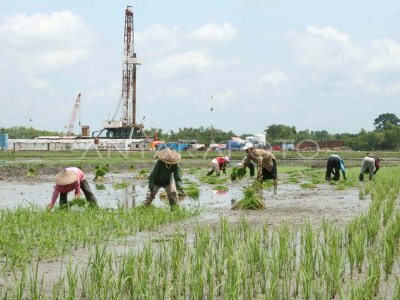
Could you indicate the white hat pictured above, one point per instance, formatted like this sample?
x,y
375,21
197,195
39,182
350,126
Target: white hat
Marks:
x,y
247,146
226,158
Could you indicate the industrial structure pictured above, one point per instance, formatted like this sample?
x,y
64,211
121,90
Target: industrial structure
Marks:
x,y
126,127
69,128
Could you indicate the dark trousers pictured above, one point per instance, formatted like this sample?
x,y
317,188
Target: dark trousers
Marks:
x,y
333,167
90,197
273,174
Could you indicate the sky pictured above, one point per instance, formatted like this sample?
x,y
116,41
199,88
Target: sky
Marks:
x,y
320,65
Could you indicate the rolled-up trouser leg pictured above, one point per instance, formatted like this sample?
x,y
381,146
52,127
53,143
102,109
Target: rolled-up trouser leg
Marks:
x,y
151,194
63,200
215,166
90,197
171,192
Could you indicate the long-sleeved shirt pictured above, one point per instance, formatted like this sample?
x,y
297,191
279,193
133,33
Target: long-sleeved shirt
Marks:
x,y
342,167
161,175
67,188
263,159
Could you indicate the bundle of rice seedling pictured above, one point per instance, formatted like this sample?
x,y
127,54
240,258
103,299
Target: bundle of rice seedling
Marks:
x,y
251,198
237,173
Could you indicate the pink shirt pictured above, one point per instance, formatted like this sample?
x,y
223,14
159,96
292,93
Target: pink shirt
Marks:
x,y
67,188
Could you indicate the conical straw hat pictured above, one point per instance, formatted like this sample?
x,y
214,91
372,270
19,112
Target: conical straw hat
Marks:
x,y
66,177
169,156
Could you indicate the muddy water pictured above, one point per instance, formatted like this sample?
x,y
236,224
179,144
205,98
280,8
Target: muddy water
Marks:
x,y
16,193
291,203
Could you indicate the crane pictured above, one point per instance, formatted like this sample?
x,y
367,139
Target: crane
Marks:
x,y
70,125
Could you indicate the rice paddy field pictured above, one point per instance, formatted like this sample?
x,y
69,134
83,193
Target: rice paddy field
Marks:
x,y
312,240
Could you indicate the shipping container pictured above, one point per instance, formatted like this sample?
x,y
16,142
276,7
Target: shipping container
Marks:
x,y
3,141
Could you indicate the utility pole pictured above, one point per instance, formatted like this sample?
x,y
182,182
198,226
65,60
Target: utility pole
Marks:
x,y
212,127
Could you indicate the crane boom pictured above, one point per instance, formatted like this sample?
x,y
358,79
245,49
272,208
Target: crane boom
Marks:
x,y
71,123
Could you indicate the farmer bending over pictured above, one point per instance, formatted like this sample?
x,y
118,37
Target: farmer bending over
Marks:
x,y
166,167
334,164
217,164
265,161
370,165
71,179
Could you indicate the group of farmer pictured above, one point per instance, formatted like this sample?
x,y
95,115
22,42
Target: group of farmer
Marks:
x,y
167,174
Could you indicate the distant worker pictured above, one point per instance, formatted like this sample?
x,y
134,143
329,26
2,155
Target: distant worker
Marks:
x,y
370,165
166,167
217,164
71,179
333,166
265,161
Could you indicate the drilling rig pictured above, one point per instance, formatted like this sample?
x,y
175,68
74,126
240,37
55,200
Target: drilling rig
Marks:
x,y
127,127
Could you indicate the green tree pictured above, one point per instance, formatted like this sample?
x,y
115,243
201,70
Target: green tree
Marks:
x,y
384,120
280,132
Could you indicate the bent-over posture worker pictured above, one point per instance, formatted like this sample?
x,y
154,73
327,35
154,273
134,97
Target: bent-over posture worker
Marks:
x,y
166,167
333,166
217,164
71,178
265,161
370,165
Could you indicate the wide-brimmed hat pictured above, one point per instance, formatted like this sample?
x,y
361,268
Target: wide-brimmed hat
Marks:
x,y
248,146
66,177
226,158
169,156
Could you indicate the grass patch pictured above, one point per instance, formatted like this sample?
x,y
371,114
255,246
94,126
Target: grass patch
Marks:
x,y
221,188
308,185
213,179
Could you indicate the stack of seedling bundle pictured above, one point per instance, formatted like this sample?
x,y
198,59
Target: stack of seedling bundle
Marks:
x,y
252,198
238,173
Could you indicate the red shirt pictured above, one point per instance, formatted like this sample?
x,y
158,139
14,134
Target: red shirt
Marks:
x,y
221,161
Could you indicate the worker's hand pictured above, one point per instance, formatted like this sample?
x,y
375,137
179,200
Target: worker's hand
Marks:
x,y
181,194
49,207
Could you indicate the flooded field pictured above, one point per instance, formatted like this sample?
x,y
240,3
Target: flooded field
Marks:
x,y
292,202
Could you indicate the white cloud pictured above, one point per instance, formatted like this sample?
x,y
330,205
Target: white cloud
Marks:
x,y
214,33
272,80
332,57
221,99
158,39
186,62
39,83
41,41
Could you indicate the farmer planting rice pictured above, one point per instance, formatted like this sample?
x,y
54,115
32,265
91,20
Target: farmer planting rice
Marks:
x,y
218,164
333,166
265,161
166,167
71,178
370,165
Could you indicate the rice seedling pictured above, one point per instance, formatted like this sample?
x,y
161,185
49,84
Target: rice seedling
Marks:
x,y
237,173
221,188
213,180
100,171
142,174
120,185
308,185
251,199
100,187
